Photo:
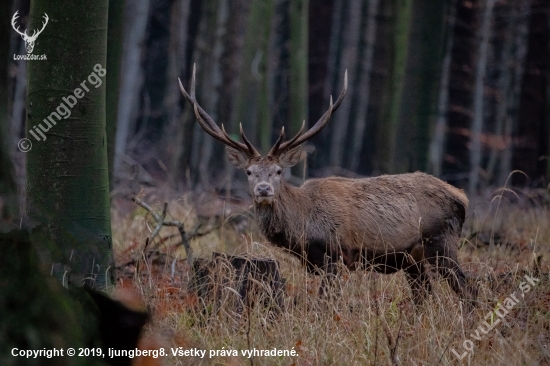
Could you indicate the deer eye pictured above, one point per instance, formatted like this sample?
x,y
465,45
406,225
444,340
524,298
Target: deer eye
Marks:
x,y
279,172
248,172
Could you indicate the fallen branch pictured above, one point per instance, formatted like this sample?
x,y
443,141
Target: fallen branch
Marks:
x,y
160,222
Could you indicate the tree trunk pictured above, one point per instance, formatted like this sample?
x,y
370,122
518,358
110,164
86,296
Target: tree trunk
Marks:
x,y
153,118
183,150
437,146
319,48
400,13
177,68
254,96
231,62
547,118
350,45
137,13
67,172
9,208
512,64
479,95
419,96
115,36
530,142
298,91
209,50
363,93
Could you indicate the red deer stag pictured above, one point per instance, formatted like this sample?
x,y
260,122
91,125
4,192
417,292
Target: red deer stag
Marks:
x,y
386,223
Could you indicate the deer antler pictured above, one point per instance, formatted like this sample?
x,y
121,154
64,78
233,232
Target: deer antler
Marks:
x,y
210,127
300,137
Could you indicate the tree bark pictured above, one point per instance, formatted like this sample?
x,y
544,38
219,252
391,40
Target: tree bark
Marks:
x,y
350,45
115,36
512,65
137,13
231,62
530,142
298,91
254,96
419,96
437,146
322,158
67,172
177,68
363,93
479,95
9,208
400,12
209,50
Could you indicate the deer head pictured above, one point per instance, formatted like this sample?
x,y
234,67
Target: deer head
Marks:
x,y
29,40
264,172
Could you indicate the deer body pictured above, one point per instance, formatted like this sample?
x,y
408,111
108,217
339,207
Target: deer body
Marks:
x,y
361,218
387,223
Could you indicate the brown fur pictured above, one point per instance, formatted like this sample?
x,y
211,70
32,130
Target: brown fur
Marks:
x,y
387,223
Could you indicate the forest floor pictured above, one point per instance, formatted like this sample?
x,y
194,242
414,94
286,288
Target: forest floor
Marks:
x,y
373,321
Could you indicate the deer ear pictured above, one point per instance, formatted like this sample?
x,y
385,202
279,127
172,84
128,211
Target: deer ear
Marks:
x,y
236,157
291,157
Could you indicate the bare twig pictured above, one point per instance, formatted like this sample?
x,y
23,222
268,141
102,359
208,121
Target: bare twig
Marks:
x,y
160,221
174,223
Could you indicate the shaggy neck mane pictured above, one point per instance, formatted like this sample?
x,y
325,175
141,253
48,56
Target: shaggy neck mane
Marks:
x,y
277,220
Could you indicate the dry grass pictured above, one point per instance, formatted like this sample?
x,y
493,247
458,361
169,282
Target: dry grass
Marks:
x,y
373,321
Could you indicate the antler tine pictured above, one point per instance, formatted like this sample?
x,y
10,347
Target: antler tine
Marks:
x,y
193,80
291,142
210,127
275,147
205,126
235,144
248,144
191,98
318,126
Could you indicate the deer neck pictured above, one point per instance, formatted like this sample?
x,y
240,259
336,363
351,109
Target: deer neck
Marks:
x,y
277,220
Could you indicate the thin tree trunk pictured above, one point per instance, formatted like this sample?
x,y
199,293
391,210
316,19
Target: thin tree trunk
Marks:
x,y
9,208
298,91
210,48
153,119
387,130
479,95
332,72
439,136
115,35
137,14
426,49
503,84
298,63
348,61
254,96
513,91
363,93
177,68
547,118
67,172
231,62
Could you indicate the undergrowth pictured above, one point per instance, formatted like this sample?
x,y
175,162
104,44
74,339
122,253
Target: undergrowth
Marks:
x,y
371,319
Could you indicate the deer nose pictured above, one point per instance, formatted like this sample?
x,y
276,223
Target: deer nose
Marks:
x,y
264,189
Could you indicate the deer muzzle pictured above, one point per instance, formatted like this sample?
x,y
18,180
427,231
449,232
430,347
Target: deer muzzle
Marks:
x,y
263,193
